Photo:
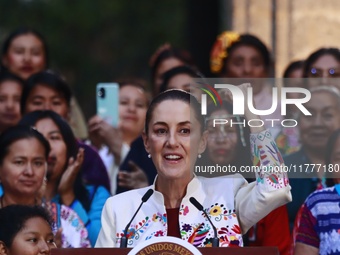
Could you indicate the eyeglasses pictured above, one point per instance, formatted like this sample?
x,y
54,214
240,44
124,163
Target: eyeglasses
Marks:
x,y
319,73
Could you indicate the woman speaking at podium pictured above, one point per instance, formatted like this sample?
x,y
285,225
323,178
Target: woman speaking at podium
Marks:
x,y
174,137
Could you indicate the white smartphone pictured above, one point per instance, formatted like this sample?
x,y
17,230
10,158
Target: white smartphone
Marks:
x,y
108,102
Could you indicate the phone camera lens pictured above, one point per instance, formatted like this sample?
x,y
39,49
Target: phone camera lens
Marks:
x,y
101,93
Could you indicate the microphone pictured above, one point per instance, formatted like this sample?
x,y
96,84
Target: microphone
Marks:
x,y
124,239
215,241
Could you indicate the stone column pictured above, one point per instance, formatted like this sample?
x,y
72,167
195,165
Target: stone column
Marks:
x,y
302,26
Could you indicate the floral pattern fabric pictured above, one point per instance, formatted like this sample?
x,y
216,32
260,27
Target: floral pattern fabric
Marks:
x,y
200,234
74,234
268,159
288,140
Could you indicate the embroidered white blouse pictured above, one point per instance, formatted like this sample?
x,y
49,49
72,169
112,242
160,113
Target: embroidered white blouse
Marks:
x,y
231,203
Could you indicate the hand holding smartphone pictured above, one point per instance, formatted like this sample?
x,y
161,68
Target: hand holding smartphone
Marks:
x,y
108,102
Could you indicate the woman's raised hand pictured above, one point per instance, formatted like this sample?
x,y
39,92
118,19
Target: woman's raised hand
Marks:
x,y
66,185
102,133
134,179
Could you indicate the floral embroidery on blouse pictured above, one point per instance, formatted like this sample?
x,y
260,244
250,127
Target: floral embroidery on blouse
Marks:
x,y
71,217
268,159
134,231
221,212
158,217
199,234
196,228
64,215
183,210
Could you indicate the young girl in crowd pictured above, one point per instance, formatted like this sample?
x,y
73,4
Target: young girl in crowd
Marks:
x,y
24,52
25,230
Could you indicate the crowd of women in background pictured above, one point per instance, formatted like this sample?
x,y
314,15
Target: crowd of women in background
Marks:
x,y
48,159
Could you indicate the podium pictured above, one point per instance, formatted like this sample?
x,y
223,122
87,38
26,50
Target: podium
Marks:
x,y
204,251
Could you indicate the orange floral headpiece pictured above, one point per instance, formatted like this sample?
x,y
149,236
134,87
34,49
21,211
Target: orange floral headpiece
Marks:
x,y
219,50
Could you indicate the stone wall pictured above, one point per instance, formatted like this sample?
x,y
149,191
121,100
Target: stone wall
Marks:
x,y
301,26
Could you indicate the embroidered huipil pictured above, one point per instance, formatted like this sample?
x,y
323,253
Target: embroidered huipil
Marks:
x,y
231,203
320,221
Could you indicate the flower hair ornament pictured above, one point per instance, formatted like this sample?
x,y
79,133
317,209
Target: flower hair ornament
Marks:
x,y
219,50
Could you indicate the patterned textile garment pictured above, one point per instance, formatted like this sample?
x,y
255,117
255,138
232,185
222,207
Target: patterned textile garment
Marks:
x,y
320,221
231,203
319,185
288,140
90,217
74,234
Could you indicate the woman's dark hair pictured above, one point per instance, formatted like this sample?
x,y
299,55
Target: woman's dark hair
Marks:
x,y
295,65
296,82
335,52
19,132
14,217
7,76
175,94
168,75
49,79
253,41
168,53
243,152
328,154
71,144
164,54
24,31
